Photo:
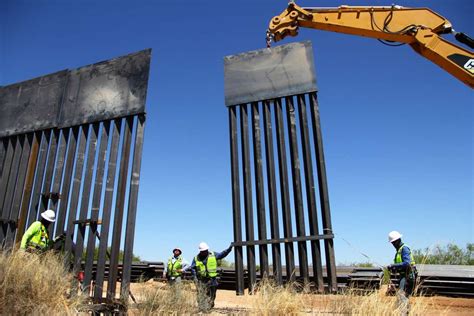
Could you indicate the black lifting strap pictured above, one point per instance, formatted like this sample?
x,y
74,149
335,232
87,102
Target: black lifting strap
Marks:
x,y
465,39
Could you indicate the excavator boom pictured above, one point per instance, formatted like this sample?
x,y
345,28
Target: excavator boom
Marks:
x,y
420,28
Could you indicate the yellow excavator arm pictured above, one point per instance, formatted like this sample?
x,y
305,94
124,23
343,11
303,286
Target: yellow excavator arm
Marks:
x,y
418,27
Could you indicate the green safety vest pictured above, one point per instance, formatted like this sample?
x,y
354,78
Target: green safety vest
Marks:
x,y
173,267
36,237
210,269
398,256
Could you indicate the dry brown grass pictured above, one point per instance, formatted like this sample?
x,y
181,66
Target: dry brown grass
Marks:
x,y
35,284
179,299
271,299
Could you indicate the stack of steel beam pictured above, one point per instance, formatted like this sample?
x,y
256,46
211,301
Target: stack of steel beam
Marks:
x,y
446,280
365,278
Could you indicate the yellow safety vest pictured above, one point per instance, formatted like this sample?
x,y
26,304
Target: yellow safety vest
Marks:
x,y
398,256
36,237
173,267
210,269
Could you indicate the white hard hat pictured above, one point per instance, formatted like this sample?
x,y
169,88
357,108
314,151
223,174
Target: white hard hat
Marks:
x,y
203,246
49,215
179,249
394,235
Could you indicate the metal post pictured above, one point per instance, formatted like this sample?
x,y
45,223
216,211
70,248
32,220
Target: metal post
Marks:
x,y
12,181
323,193
107,208
119,207
48,176
257,160
85,196
12,140
132,207
249,228
297,193
43,154
30,176
236,211
66,184
58,175
94,217
3,152
272,194
76,186
16,201
284,191
310,194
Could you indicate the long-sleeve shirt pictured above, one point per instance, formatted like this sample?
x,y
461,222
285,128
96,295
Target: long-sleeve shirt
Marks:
x,y
406,259
218,255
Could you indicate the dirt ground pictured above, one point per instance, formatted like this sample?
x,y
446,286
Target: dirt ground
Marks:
x,y
228,303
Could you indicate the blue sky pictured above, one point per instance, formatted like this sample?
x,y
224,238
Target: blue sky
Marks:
x,y
398,130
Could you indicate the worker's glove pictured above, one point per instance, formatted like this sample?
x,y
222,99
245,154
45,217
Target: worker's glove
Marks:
x,y
59,237
391,268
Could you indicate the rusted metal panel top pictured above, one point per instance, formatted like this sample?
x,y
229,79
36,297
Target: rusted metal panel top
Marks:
x,y
269,73
105,90
31,105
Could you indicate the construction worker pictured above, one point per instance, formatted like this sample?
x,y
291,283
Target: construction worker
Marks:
x,y
204,269
404,265
36,236
175,267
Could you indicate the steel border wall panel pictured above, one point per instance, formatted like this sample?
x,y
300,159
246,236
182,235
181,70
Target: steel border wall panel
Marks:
x,y
119,208
107,207
310,194
16,201
260,196
132,207
47,168
297,190
236,209
272,193
254,79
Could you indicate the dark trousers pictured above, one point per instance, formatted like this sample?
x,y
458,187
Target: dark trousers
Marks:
x,y
405,289
206,294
